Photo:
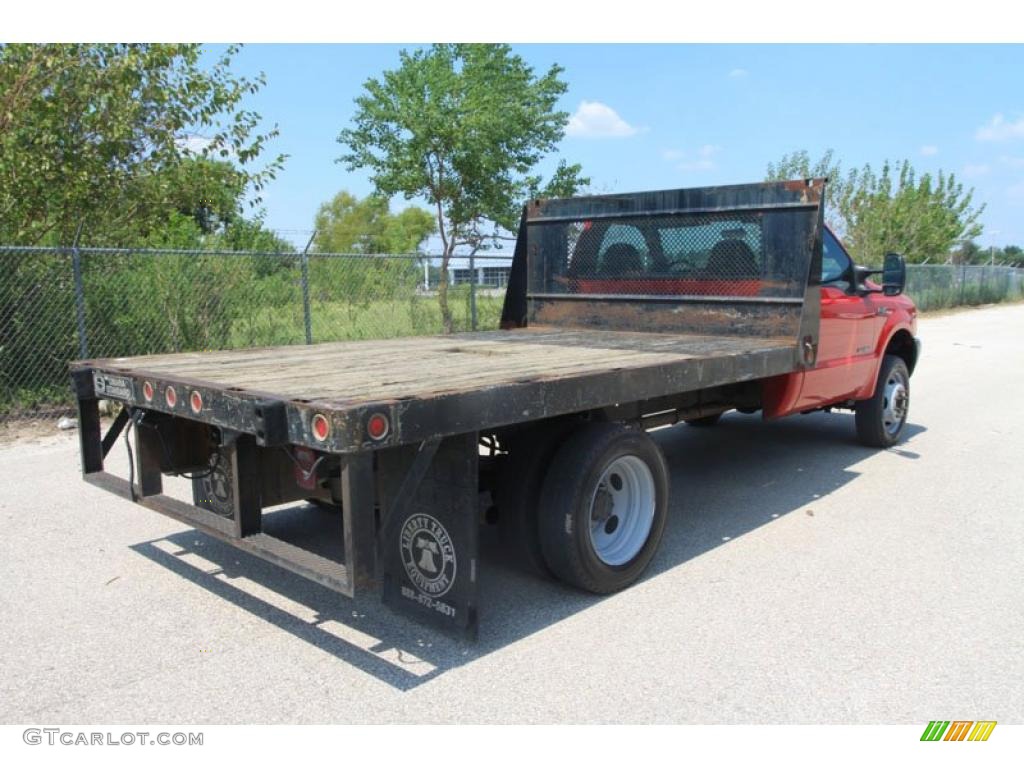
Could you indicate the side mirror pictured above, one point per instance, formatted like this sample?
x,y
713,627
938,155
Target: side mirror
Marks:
x,y
894,274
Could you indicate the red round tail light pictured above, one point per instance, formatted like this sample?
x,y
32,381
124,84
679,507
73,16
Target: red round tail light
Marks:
x,y
377,426
321,427
170,397
147,391
195,401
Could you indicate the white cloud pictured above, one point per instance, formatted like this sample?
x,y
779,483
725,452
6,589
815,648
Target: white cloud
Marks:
x,y
701,159
594,120
1012,162
976,169
738,72
1000,129
672,154
193,143
929,149
1016,192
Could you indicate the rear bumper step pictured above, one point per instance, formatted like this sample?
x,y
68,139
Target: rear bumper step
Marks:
x,y
308,564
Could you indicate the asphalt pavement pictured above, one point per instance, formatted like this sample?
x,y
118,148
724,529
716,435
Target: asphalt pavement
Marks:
x,y
802,579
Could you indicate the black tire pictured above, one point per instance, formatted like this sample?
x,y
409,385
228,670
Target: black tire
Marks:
x,y
565,506
878,426
518,493
704,421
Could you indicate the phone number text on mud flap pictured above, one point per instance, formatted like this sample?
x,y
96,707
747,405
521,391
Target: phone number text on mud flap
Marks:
x,y
429,602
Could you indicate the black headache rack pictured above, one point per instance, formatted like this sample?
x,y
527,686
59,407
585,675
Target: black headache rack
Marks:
x,y
740,260
719,282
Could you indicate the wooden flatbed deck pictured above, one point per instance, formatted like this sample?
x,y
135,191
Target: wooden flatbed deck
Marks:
x,y
350,372
451,384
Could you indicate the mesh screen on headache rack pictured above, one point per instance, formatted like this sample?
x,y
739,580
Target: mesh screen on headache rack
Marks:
x,y
738,253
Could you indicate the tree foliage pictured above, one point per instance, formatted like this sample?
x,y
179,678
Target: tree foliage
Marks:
x,y
969,252
923,217
465,127
799,165
97,134
347,224
893,209
1012,255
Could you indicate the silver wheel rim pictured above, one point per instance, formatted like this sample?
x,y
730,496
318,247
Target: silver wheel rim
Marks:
x,y
895,402
622,510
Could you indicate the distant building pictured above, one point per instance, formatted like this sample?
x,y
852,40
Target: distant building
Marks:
x,y
491,277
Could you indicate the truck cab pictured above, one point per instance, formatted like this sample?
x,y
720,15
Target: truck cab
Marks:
x,y
864,328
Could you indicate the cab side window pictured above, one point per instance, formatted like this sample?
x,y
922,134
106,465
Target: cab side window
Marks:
x,y
835,263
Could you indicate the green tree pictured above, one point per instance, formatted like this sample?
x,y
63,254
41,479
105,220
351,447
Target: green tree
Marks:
x,y
93,133
923,217
199,203
251,235
210,192
799,165
968,252
347,224
464,127
1013,255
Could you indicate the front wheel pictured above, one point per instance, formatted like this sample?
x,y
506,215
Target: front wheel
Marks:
x,y
882,417
603,507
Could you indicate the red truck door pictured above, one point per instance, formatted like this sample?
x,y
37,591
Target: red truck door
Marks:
x,y
846,342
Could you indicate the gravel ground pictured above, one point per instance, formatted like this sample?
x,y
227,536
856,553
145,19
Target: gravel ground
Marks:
x,y
802,579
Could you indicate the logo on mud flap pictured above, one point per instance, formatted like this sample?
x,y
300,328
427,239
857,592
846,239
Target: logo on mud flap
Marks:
x,y
428,555
215,492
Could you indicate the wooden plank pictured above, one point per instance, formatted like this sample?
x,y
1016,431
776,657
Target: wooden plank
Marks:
x,y
428,363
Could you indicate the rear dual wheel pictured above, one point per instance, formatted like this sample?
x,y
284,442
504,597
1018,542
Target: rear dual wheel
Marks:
x,y
519,490
603,506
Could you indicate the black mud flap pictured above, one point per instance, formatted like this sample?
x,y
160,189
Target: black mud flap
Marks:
x,y
211,489
428,540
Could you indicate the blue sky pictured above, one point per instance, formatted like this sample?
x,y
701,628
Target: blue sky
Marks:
x,y
659,116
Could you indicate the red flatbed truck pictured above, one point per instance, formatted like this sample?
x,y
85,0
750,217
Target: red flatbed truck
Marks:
x,y
623,313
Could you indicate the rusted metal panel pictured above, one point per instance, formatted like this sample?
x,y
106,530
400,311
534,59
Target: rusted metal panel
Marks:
x,y
646,315
770,194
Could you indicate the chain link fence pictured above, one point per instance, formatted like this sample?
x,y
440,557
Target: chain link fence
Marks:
x,y
938,286
61,304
